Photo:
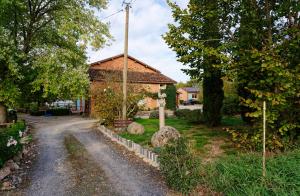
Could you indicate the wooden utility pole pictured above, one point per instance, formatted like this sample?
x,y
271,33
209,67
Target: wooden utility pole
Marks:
x,y
125,68
264,140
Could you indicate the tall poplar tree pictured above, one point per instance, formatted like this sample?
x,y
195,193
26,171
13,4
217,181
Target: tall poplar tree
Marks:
x,y
198,37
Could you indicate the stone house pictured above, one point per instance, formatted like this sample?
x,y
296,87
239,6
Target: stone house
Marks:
x,y
139,74
188,93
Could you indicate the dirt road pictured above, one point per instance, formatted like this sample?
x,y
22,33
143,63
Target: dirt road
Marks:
x,y
75,159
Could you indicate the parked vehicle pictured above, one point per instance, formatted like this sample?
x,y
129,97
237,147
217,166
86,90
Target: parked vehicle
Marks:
x,y
191,102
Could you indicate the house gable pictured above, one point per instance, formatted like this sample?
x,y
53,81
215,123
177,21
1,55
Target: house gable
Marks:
x,y
138,71
116,63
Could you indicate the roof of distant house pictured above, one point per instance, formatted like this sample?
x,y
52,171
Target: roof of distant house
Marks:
x,y
155,77
191,89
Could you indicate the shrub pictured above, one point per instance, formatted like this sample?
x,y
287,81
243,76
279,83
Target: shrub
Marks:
x,y
193,116
181,102
179,166
242,175
171,97
155,115
7,152
182,113
231,106
251,139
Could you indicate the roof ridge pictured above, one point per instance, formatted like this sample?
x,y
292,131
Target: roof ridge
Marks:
x,y
129,56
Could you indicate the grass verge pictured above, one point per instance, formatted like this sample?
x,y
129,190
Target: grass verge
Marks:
x,y
242,175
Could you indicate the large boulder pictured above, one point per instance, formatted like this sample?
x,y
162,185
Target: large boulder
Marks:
x,y
164,135
135,128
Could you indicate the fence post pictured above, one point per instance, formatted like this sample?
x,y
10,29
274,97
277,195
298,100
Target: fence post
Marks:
x,y
264,140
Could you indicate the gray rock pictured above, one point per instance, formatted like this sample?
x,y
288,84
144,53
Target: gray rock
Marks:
x,y
163,136
18,157
7,185
135,128
5,171
12,165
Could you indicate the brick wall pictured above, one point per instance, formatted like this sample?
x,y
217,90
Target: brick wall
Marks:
x,y
117,64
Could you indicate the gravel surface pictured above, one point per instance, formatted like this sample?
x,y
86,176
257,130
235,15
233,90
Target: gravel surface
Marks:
x,y
103,169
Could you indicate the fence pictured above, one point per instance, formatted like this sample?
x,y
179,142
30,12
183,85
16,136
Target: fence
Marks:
x,y
147,155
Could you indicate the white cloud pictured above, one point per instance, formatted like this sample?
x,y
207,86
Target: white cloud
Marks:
x,y
148,21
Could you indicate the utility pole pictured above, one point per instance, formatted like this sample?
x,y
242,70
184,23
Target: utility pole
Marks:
x,y
125,68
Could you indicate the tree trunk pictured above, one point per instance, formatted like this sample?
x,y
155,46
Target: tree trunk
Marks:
x,y
3,113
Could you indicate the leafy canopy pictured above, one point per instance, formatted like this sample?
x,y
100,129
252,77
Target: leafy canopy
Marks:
x,y
43,44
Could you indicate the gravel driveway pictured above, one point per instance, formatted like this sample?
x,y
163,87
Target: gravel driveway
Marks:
x,y
85,163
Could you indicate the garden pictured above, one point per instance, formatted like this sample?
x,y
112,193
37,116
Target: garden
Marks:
x,y
209,157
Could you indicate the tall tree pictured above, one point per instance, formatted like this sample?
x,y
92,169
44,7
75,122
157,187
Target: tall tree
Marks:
x,y
267,64
198,37
43,44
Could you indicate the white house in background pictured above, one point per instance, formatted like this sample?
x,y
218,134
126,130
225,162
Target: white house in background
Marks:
x,y
188,93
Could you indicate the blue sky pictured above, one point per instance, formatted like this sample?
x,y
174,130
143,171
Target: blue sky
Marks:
x,y
148,21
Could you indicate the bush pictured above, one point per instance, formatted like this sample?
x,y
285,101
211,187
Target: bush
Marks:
x,y
179,166
58,112
231,106
182,113
251,139
155,115
242,175
5,134
193,116
171,97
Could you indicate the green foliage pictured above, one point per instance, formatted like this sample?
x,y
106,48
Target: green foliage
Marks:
x,y
213,99
179,166
242,175
33,106
195,116
108,102
231,106
182,113
266,63
5,134
171,97
251,139
196,39
43,48
155,115
192,116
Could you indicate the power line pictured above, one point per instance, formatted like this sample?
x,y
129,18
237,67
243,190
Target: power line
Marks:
x,y
121,10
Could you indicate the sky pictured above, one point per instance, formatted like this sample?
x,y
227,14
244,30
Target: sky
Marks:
x,y
148,21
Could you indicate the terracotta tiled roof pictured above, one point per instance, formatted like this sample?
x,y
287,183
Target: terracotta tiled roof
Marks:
x,y
133,77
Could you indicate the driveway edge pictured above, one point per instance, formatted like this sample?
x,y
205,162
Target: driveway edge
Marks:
x,y
148,156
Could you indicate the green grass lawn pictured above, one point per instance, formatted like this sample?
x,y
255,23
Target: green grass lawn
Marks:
x,y
198,135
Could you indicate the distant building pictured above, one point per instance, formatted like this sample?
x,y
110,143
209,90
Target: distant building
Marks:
x,y
188,93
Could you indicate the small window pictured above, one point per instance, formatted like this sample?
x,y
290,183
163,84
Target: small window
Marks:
x,y
194,96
